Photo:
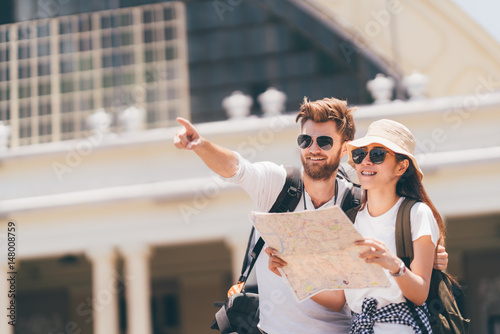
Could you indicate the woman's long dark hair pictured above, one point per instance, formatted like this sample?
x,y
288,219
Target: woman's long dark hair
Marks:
x,y
410,185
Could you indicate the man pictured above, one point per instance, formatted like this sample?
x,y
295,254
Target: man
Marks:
x,y
326,127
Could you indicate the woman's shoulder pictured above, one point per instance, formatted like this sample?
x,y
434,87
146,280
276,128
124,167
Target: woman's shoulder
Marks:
x,y
423,222
420,207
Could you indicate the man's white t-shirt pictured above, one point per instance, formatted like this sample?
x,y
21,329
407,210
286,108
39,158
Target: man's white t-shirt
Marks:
x,y
279,311
383,228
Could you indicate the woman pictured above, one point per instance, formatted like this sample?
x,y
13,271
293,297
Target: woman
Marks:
x,y
388,172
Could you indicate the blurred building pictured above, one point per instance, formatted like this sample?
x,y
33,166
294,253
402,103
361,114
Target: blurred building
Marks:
x,y
119,232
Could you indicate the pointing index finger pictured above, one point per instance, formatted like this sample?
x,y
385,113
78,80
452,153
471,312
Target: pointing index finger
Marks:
x,y
187,124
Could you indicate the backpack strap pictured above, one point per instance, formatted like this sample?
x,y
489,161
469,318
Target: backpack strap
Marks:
x,y
353,193
352,197
352,213
290,195
404,247
287,200
404,243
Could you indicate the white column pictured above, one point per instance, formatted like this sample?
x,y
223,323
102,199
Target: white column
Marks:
x,y
104,290
137,288
5,327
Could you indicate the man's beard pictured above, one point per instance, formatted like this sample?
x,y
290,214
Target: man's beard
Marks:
x,y
319,173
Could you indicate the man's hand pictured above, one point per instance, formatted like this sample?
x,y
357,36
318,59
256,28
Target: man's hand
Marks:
x,y
274,261
441,258
219,159
186,138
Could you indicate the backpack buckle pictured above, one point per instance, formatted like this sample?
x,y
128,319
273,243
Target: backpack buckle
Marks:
x,y
292,191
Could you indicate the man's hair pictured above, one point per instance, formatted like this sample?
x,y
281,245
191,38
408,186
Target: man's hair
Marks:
x,y
328,109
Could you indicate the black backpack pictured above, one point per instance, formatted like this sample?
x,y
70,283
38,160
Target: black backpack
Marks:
x,y
240,313
444,314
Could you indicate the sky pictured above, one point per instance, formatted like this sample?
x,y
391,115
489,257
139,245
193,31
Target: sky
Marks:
x,y
485,13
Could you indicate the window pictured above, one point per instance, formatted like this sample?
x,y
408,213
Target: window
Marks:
x,y
126,19
149,36
68,125
85,103
169,14
44,107
4,93
85,63
105,21
66,46
149,56
128,78
43,48
67,104
85,43
127,38
106,60
4,112
26,31
107,80
148,16
24,89
4,54
4,34
86,83
84,23
43,29
23,51
24,70
25,130
105,40
44,68
67,84
65,26
170,53
66,65
44,88
170,33
24,110
127,58
44,128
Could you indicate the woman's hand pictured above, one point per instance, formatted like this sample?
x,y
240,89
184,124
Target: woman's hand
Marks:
x,y
379,254
415,283
274,261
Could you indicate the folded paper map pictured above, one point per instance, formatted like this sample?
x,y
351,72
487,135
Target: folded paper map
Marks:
x,y
319,249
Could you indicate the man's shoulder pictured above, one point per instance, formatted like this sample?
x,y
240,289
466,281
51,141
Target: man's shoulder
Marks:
x,y
260,169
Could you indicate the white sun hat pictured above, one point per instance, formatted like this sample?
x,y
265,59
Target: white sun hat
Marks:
x,y
391,134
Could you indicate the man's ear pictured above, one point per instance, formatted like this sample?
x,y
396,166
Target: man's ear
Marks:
x,y
344,151
402,167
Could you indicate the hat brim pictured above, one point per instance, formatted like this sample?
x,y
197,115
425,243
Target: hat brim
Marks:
x,y
367,140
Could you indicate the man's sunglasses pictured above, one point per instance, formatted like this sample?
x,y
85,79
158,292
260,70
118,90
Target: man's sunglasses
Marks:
x,y
377,155
324,142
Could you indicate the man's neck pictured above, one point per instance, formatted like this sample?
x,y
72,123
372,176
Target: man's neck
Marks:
x,y
320,191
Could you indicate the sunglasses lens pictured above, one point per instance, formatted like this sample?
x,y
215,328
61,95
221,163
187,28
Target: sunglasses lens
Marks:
x,y
304,141
358,155
325,142
377,155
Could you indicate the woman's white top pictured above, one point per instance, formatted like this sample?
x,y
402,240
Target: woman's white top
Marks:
x,y
383,228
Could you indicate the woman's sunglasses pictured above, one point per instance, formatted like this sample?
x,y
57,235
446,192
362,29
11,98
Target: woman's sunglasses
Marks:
x,y
377,155
324,142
